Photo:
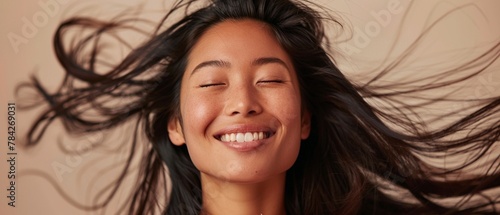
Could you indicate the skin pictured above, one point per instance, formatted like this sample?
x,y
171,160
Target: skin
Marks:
x,y
238,79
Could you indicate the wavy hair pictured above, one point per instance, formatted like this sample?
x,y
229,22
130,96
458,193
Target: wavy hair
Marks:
x,y
356,154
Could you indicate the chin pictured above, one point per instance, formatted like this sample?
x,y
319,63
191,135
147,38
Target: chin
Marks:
x,y
247,179
250,176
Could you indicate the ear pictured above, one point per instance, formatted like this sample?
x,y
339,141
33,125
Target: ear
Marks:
x,y
175,132
305,125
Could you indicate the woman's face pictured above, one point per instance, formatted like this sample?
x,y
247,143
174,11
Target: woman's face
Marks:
x,y
240,104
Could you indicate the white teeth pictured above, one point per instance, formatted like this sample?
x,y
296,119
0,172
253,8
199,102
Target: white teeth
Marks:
x,y
243,137
240,137
248,137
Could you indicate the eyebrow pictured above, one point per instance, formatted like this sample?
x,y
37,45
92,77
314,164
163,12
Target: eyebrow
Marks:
x,y
267,60
214,63
226,64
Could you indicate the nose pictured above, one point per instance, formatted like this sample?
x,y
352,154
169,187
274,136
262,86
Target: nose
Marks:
x,y
243,100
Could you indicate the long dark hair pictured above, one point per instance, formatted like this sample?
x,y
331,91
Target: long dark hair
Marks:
x,y
356,154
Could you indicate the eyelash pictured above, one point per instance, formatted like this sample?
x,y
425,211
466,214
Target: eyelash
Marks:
x,y
211,85
220,84
272,81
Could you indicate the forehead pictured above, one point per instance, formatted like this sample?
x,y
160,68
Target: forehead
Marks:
x,y
237,40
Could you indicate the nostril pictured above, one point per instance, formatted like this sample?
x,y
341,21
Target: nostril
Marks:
x,y
250,112
242,108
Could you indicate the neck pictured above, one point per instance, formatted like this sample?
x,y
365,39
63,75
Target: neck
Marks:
x,y
262,198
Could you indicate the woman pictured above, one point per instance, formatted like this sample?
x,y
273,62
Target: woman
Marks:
x,y
244,105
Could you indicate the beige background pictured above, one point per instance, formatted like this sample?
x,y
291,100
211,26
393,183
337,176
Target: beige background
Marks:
x,y
472,29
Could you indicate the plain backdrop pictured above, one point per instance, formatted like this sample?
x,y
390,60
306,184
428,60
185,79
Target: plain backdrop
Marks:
x,y
26,32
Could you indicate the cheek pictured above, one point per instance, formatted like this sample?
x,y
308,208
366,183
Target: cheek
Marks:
x,y
197,112
287,108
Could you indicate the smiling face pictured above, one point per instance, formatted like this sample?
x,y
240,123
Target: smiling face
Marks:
x,y
240,104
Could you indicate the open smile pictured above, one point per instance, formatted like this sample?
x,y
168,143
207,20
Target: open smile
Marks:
x,y
241,137
244,138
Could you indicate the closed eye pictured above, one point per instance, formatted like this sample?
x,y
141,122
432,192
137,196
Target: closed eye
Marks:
x,y
271,81
211,85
